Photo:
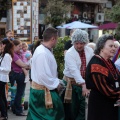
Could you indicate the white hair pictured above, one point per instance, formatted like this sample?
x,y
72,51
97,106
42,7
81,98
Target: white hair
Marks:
x,y
117,43
92,45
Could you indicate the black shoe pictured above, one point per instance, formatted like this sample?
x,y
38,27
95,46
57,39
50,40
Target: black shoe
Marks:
x,y
21,114
14,112
3,118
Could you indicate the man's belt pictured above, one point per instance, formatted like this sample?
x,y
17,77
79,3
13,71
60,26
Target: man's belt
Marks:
x,y
68,92
48,98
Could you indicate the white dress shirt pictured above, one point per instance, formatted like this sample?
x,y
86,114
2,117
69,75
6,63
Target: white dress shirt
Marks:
x,y
44,68
73,63
5,67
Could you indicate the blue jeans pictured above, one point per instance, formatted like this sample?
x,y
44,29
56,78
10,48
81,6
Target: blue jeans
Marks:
x,y
19,78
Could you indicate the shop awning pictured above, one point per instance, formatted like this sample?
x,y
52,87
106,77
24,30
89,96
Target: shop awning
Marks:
x,y
91,1
108,26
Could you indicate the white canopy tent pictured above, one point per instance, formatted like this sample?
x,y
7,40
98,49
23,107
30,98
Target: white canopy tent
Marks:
x,y
77,24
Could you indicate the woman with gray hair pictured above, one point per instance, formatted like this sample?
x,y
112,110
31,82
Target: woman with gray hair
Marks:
x,y
103,79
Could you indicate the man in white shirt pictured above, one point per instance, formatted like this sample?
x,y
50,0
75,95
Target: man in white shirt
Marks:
x,y
76,60
45,102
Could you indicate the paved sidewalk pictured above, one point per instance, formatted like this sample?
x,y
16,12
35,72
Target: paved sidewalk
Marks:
x,y
12,116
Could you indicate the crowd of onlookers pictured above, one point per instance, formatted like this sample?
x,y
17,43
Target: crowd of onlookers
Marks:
x,y
100,76
16,60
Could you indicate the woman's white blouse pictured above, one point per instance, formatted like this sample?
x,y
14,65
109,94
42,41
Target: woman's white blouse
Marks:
x,y
5,67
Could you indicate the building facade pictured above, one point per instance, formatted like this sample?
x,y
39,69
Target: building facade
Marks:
x,y
91,12
87,10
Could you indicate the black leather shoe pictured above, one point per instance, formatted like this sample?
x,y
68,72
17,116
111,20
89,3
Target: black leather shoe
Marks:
x,y
21,114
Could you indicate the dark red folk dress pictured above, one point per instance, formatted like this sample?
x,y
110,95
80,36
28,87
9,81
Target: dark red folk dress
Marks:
x,y
104,81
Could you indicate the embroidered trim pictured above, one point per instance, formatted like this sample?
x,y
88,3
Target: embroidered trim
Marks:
x,y
99,69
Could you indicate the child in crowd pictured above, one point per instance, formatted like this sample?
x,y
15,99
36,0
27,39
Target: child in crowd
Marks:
x,y
9,35
26,56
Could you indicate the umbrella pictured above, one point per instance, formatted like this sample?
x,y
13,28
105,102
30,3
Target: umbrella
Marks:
x,y
77,24
108,26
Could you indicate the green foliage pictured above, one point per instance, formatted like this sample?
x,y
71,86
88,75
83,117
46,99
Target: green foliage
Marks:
x,y
59,55
114,15
117,37
5,4
56,11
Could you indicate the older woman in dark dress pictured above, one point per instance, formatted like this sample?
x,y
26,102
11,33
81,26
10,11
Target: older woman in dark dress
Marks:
x,y
103,79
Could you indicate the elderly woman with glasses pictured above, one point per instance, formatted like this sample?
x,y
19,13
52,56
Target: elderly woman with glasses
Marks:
x,y
103,79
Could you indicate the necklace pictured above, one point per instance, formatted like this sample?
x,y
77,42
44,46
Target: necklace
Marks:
x,y
47,47
110,67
